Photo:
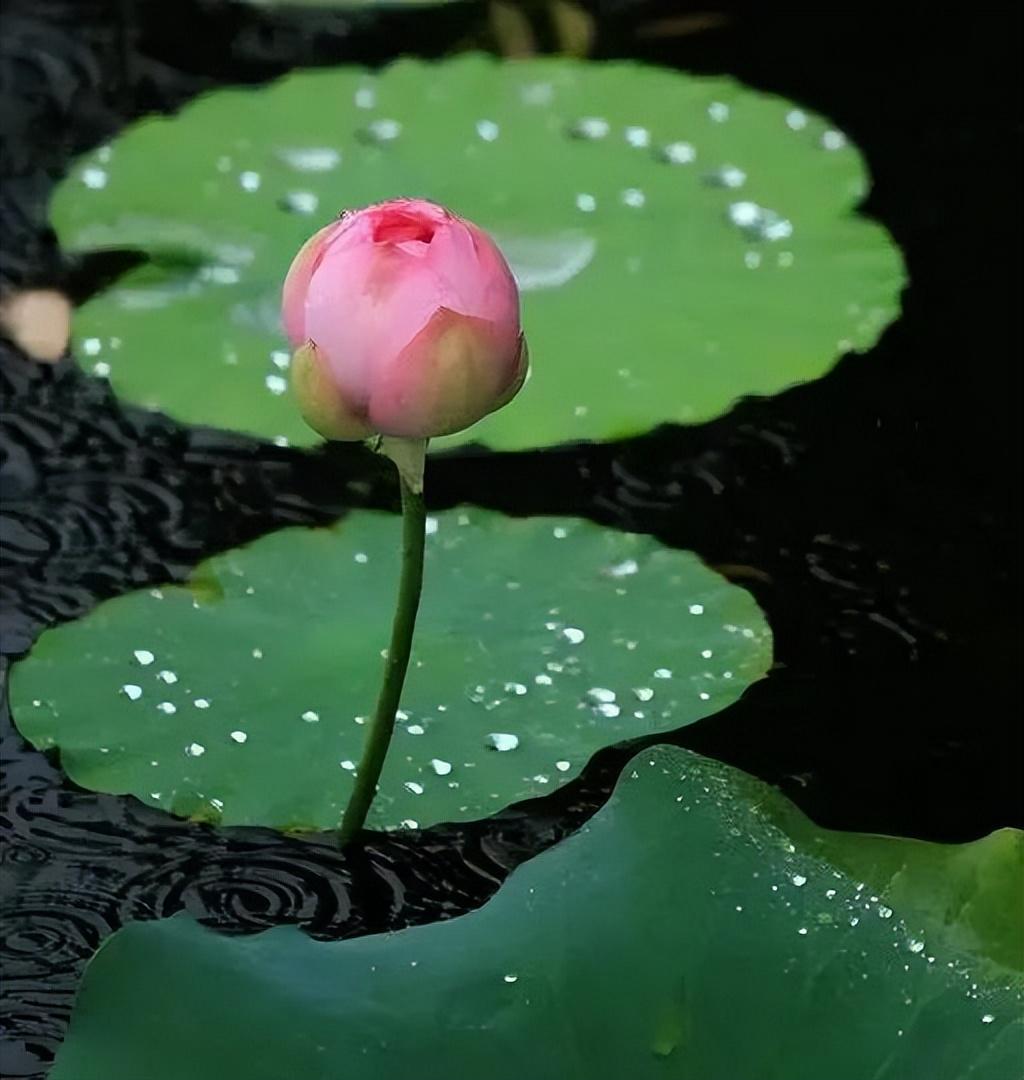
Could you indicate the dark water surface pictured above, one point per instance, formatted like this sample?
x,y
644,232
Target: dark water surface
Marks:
x,y
875,514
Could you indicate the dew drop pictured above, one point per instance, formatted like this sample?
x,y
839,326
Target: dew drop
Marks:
x,y
678,153
249,181
94,177
589,127
381,131
638,137
299,202
502,741
195,749
600,695
239,736
313,159
311,717
563,766
131,691
144,657
440,767
167,708
201,703
411,785
775,228
573,635
728,176
219,275
759,222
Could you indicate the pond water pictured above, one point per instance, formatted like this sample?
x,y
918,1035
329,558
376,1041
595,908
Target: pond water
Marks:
x,y
874,513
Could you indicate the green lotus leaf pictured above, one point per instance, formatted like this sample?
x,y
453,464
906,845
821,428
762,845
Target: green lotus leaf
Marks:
x,y
241,696
680,241
680,936
972,895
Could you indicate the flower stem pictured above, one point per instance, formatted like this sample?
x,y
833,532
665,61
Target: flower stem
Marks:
x,y
378,738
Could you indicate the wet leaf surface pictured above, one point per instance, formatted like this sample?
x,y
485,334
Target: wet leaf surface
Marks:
x,y
728,948
242,697
680,241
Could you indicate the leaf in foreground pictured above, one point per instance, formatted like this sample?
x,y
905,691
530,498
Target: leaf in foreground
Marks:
x,y
682,935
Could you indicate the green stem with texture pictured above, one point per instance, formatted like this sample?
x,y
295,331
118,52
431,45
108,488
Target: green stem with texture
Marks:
x,y
378,738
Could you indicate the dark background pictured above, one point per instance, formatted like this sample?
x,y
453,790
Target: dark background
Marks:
x,y
875,513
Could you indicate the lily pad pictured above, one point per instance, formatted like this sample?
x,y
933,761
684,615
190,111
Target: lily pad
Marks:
x,y
241,697
971,895
680,936
681,241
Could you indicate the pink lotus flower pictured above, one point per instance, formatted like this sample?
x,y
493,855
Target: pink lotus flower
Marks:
x,y
405,319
